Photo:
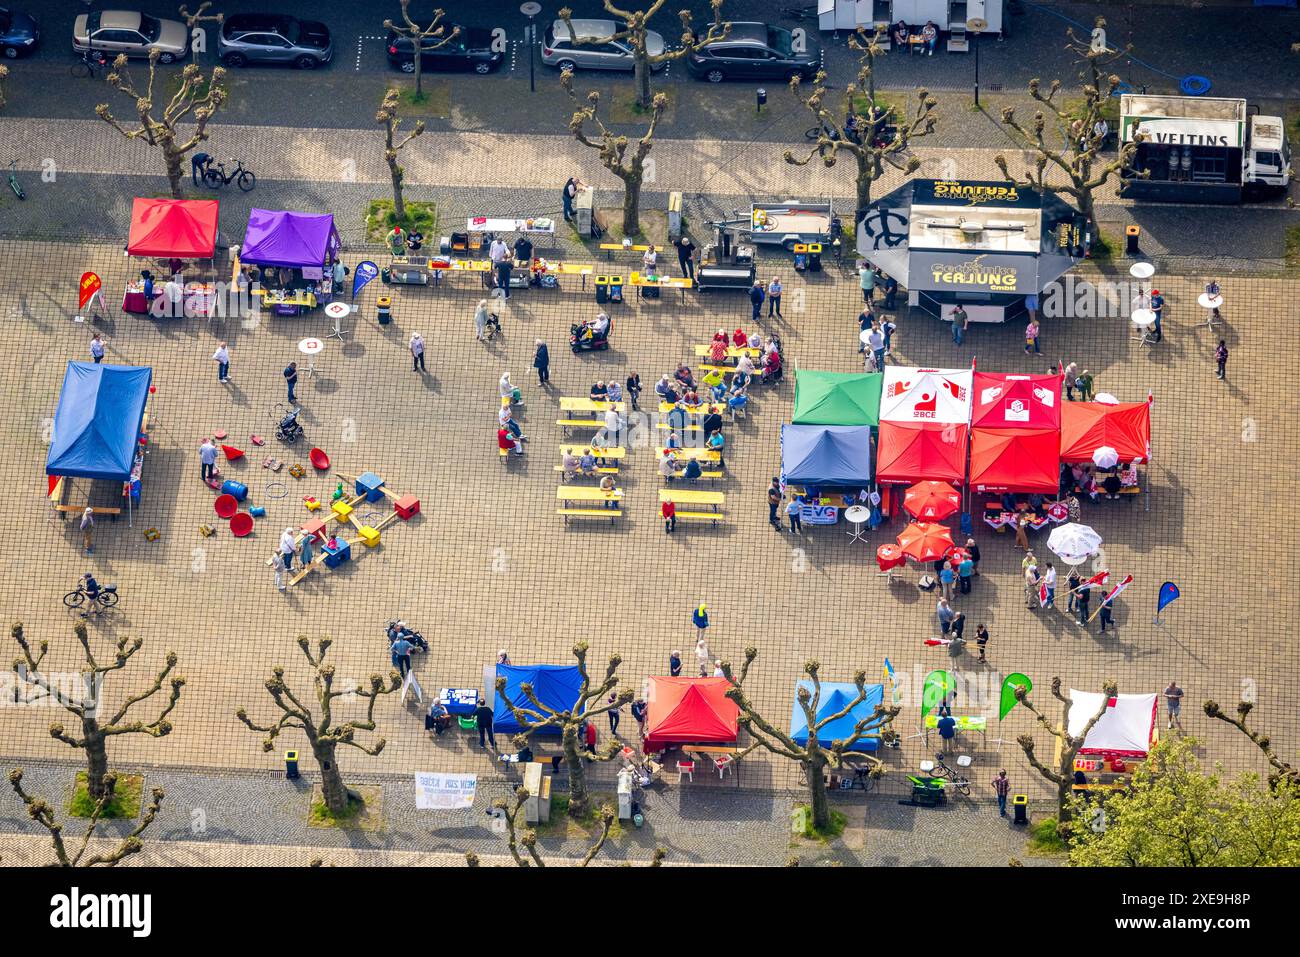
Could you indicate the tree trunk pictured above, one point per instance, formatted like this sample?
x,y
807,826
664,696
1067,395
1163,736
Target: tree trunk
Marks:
x,y
867,174
96,759
332,787
399,204
641,77
1089,210
817,800
419,74
175,174
632,202
578,799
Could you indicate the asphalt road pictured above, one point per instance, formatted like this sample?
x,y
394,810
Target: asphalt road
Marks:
x,y
1168,43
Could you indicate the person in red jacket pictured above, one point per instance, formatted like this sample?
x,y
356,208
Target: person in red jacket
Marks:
x,y
506,441
589,736
669,511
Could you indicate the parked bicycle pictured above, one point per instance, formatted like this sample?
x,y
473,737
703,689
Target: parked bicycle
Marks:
x,y
89,62
13,180
955,777
214,177
88,590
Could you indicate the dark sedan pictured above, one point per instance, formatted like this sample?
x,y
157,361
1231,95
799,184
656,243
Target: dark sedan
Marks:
x,y
470,50
19,33
756,51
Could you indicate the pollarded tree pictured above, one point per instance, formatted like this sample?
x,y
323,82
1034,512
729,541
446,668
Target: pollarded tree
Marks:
x,y
1282,773
41,812
192,20
4,76
84,702
613,148
1063,774
423,39
388,118
324,732
192,106
592,701
1073,148
811,757
868,137
635,26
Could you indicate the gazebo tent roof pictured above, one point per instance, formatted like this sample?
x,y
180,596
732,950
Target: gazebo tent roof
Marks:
x,y
292,240
1087,426
689,711
556,686
926,395
1016,401
826,454
1127,729
1015,460
912,451
97,422
183,228
835,697
837,398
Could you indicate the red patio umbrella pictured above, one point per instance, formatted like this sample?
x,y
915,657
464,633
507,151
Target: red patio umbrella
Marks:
x,y
932,501
925,542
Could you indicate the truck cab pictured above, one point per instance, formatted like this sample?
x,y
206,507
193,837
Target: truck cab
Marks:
x,y
1268,162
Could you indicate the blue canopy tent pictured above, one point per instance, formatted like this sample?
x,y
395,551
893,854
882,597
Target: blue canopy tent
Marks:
x,y
835,697
826,454
556,686
97,423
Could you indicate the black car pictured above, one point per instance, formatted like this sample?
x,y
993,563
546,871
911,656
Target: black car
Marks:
x,y
19,33
469,50
756,51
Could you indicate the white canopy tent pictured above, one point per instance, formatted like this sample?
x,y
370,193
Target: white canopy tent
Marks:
x,y
1127,729
926,395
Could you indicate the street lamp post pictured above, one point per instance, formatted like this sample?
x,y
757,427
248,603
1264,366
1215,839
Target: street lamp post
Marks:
x,y
531,10
977,26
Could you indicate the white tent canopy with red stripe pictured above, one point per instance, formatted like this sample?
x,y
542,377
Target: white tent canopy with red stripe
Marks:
x,y
926,395
1127,729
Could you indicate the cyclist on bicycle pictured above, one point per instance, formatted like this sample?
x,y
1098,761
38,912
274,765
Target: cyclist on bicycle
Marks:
x,y
90,587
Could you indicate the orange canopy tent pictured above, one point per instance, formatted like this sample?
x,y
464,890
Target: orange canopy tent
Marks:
x,y
1087,426
689,711
915,451
179,228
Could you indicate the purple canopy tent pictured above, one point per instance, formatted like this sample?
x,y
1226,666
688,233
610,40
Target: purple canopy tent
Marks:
x,y
291,240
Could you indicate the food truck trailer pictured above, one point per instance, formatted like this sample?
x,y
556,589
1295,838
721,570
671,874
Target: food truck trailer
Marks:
x,y
1200,149
952,16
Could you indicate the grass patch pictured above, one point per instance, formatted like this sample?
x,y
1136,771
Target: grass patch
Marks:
x,y
125,802
363,814
379,219
824,835
1045,840
1077,108
1103,247
588,825
623,107
1292,257
434,102
893,104
654,229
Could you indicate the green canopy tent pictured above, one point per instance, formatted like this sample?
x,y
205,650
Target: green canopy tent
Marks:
x,y
837,398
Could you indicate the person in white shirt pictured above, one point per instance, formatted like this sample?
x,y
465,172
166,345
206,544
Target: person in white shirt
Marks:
x,y
570,464
745,365
173,296
668,465
207,459
650,259
287,548
417,352
1049,579
499,253
222,358
507,421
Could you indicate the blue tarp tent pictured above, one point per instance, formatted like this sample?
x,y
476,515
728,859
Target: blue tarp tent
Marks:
x,y
836,695
556,686
826,454
97,423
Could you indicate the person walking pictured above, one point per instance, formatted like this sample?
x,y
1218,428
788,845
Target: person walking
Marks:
x,y
700,619
483,721
542,362
88,530
982,641
703,657
756,295
1085,386
615,714
669,512
1002,787
867,280
774,297
1174,705
1158,307
1031,337
480,319
287,548
1069,378
686,256
207,459
1106,613
675,664
633,387
222,358
1220,359
792,510
416,345
1081,606
1022,536
291,379
959,322
277,563
1072,582
97,349
773,501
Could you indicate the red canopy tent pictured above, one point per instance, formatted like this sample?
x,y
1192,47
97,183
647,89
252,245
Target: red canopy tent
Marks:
x,y
1087,426
912,451
177,228
1016,401
689,711
1015,460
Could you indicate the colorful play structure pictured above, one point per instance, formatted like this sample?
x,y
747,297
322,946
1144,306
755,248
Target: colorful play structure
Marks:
x,y
334,550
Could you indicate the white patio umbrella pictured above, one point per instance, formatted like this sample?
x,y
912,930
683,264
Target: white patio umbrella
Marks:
x,y
1105,457
1074,543
1105,398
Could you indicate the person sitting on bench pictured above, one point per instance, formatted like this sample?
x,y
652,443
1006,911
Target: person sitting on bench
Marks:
x,y
900,34
692,470
930,34
438,719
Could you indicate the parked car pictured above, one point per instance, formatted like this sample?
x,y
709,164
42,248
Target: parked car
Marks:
x,y
559,50
135,34
19,33
469,50
755,51
272,38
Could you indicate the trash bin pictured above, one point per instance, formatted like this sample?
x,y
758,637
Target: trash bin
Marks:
x,y
1020,808
384,307
602,288
291,765
1132,234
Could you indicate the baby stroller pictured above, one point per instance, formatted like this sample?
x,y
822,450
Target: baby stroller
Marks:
x,y
580,342
492,326
288,430
399,629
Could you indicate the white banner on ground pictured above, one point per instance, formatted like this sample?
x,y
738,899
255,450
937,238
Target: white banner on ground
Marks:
x,y
410,684
434,791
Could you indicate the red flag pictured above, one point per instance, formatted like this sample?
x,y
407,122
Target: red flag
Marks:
x,y
1128,580
1042,593
90,284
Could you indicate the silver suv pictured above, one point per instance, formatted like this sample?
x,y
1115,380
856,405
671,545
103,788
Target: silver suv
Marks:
x,y
271,38
558,48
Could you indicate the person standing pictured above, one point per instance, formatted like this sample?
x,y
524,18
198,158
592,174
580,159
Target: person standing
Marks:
x,y
1174,704
207,459
291,379
1220,359
416,346
568,195
97,349
400,654
1072,582
1081,606
287,548
277,563
946,579
1049,579
982,641
867,280
1158,307
1022,537
959,325
1030,573
222,358
1002,787
774,297
1070,377
499,253
338,272
945,614
615,713
703,656
876,343
1031,337
638,710
756,299
792,510
1106,612
542,363
305,556
669,511
965,570
700,619
483,721
1085,383
88,530
773,501
973,551
686,256
675,664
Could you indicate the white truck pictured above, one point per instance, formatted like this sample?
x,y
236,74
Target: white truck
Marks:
x,y
1201,149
